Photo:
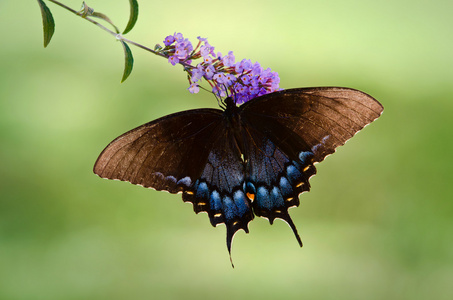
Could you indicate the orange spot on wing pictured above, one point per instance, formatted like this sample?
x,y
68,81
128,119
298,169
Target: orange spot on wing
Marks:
x,y
251,196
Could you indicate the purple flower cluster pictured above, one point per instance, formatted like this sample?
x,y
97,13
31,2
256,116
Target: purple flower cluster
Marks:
x,y
243,80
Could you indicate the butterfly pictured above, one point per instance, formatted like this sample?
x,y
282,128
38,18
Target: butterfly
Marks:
x,y
241,161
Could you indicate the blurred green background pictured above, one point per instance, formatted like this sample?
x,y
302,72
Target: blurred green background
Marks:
x,y
376,225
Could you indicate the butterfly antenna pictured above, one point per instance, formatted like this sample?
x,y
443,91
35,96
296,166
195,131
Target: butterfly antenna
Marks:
x,y
226,90
220,96
233,93
219,101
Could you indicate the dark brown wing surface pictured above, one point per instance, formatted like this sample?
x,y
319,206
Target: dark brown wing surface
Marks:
x,y
287,132
323,117
166,154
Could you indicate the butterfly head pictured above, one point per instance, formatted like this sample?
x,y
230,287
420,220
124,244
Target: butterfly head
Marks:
x,y
229,102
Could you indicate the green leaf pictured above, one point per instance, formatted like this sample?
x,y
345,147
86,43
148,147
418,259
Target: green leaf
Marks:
x,y
86,11
132,17
129,61
48,23
105,18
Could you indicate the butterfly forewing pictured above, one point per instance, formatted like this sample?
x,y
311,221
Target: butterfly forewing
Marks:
x,y
323,118
166,154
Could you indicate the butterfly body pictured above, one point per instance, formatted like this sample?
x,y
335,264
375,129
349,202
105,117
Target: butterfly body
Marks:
x,y
250,160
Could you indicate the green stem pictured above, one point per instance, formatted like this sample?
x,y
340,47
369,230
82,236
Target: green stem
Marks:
x,y
116,35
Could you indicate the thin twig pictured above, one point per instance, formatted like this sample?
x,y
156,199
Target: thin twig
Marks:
x,y
116,35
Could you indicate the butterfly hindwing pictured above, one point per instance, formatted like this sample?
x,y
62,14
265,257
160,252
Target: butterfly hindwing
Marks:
x,y
274,177
219,188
